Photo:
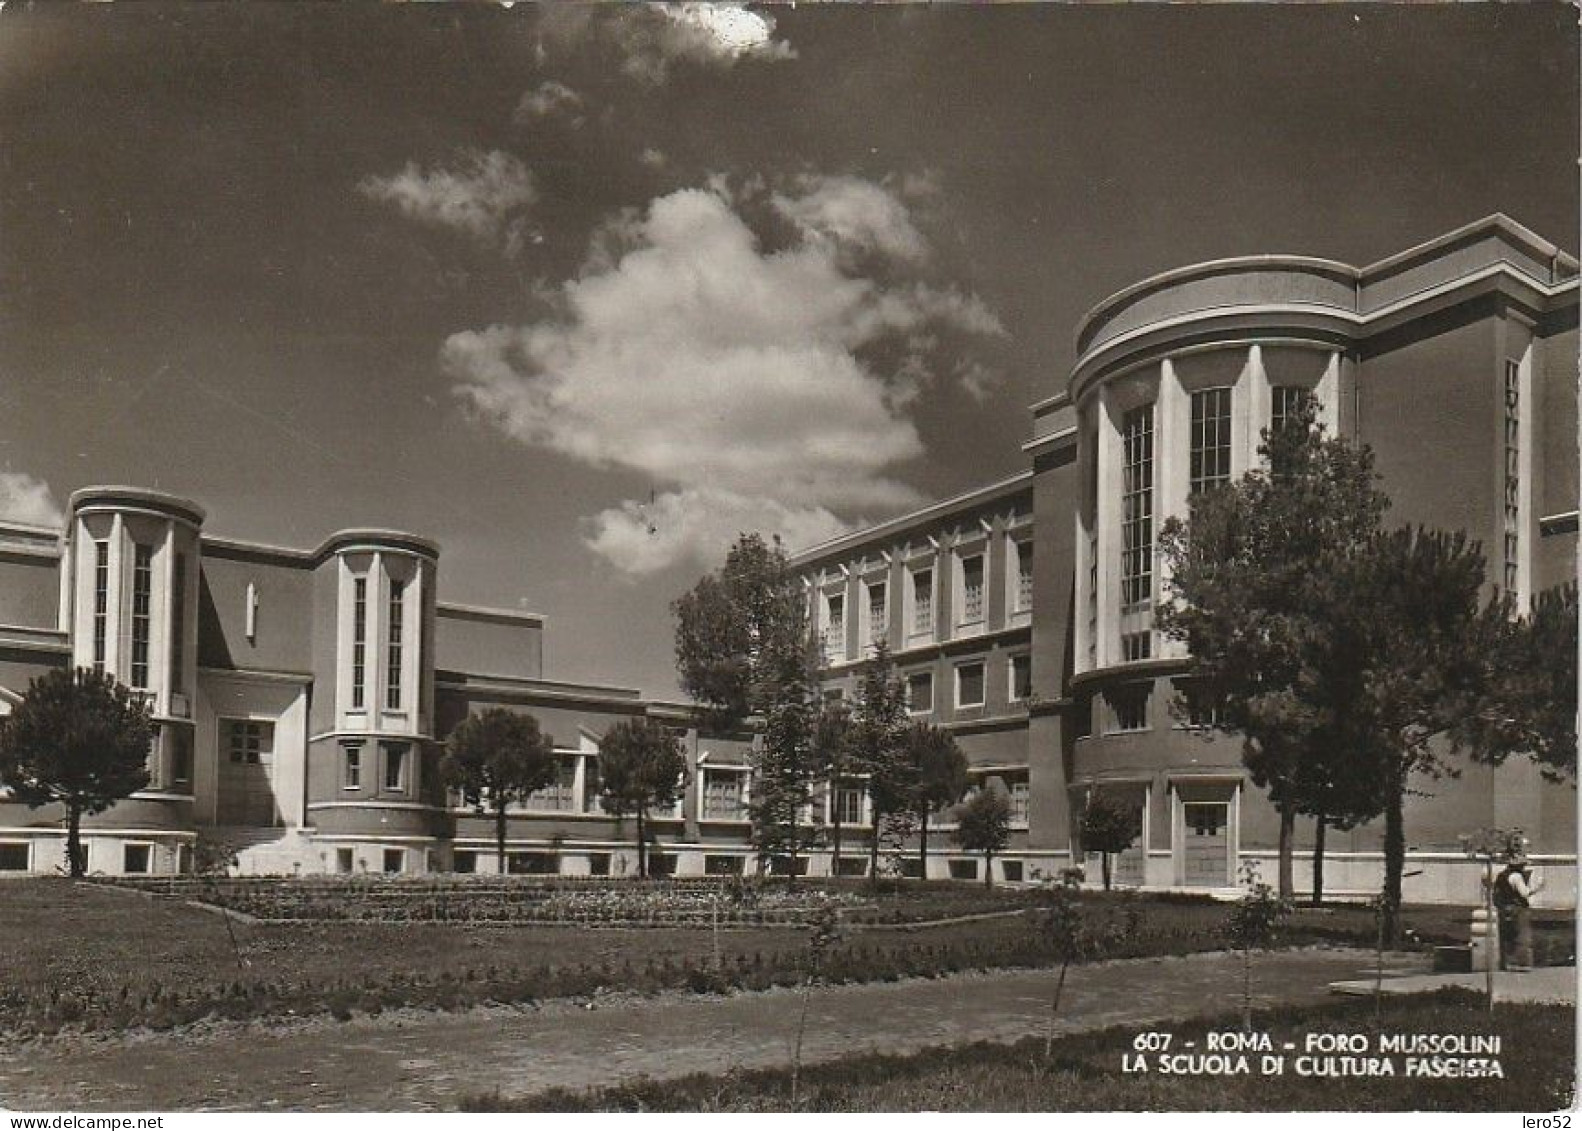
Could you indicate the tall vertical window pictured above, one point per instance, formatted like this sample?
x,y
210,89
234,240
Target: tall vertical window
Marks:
x,y
393,647
1024,576
142,595
101,602
1513,472
834,625
178,623
1210,439
878,611
1137,505
972,588
359,640
1285,405
923,601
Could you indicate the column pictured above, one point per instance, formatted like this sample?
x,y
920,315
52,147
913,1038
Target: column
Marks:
x,y
1250,407
1172,475
115,637
1328,393
1107,511
167,619
579,785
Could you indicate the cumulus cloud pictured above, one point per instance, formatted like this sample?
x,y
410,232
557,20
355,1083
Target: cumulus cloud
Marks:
x,y
26,499
550,99
738,379
478,197
651,38
856,214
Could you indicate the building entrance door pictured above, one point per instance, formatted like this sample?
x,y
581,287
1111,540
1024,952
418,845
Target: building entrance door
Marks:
x,y
1206,853
246,779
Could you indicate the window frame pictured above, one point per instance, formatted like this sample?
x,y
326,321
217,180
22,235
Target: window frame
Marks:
x,y
912,708
352,766
1012,692
983,677
396,754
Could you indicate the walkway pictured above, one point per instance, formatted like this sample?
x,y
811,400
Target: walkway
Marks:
x,y
425,1062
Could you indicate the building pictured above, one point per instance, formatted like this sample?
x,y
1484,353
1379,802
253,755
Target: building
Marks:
x,y
1021,615
302,695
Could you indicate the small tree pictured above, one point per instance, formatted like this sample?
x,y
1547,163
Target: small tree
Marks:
x,y
1109,825
878,727
831,739
1060,926
1253,924
940,769
786,763
495,759
983,824
641,767
79,739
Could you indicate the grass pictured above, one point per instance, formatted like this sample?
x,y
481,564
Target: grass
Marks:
x,y
1083,1073
85,957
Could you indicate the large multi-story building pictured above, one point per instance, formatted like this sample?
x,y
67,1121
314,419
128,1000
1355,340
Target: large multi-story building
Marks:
x,y
302,695
1022,615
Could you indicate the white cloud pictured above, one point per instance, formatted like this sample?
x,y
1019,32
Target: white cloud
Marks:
x,y
477,198
857,214
655,36
26,499
550,99
731,376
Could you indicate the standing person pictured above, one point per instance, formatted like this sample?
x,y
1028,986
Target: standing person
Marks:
x,y
1514,889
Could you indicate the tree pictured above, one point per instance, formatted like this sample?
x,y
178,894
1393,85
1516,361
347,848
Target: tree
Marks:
x,y
831,738
1251,592
1253,924
939,769
641,768
983,824
1529,700
734,629
1109,825
786,762
80,739
1411,634
878,728
495,759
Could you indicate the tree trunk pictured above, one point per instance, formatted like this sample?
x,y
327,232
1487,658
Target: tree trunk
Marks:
x,y
834,824
1318,859
1287,849
642,848
499,837
1104,866
873,850
988,869
922,849
75,864
1394,858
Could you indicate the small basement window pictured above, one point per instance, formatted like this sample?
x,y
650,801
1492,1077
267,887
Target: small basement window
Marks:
x,y
136,859
14,857
395,860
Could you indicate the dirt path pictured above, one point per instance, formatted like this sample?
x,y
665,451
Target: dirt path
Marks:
x,y
429,1062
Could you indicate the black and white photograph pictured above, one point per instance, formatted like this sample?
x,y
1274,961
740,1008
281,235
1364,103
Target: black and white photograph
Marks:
x,y
787,558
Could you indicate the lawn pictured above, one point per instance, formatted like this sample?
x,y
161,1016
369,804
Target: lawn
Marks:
x,y
1084,1073
84,956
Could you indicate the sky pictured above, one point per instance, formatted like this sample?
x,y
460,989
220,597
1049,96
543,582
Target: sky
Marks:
x,y
584,292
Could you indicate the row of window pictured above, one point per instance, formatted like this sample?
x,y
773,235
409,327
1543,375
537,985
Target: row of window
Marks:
x,y
1128,707
970,685
1513,515
396,756
142,613
1209,463
136,859
920,618
394,643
